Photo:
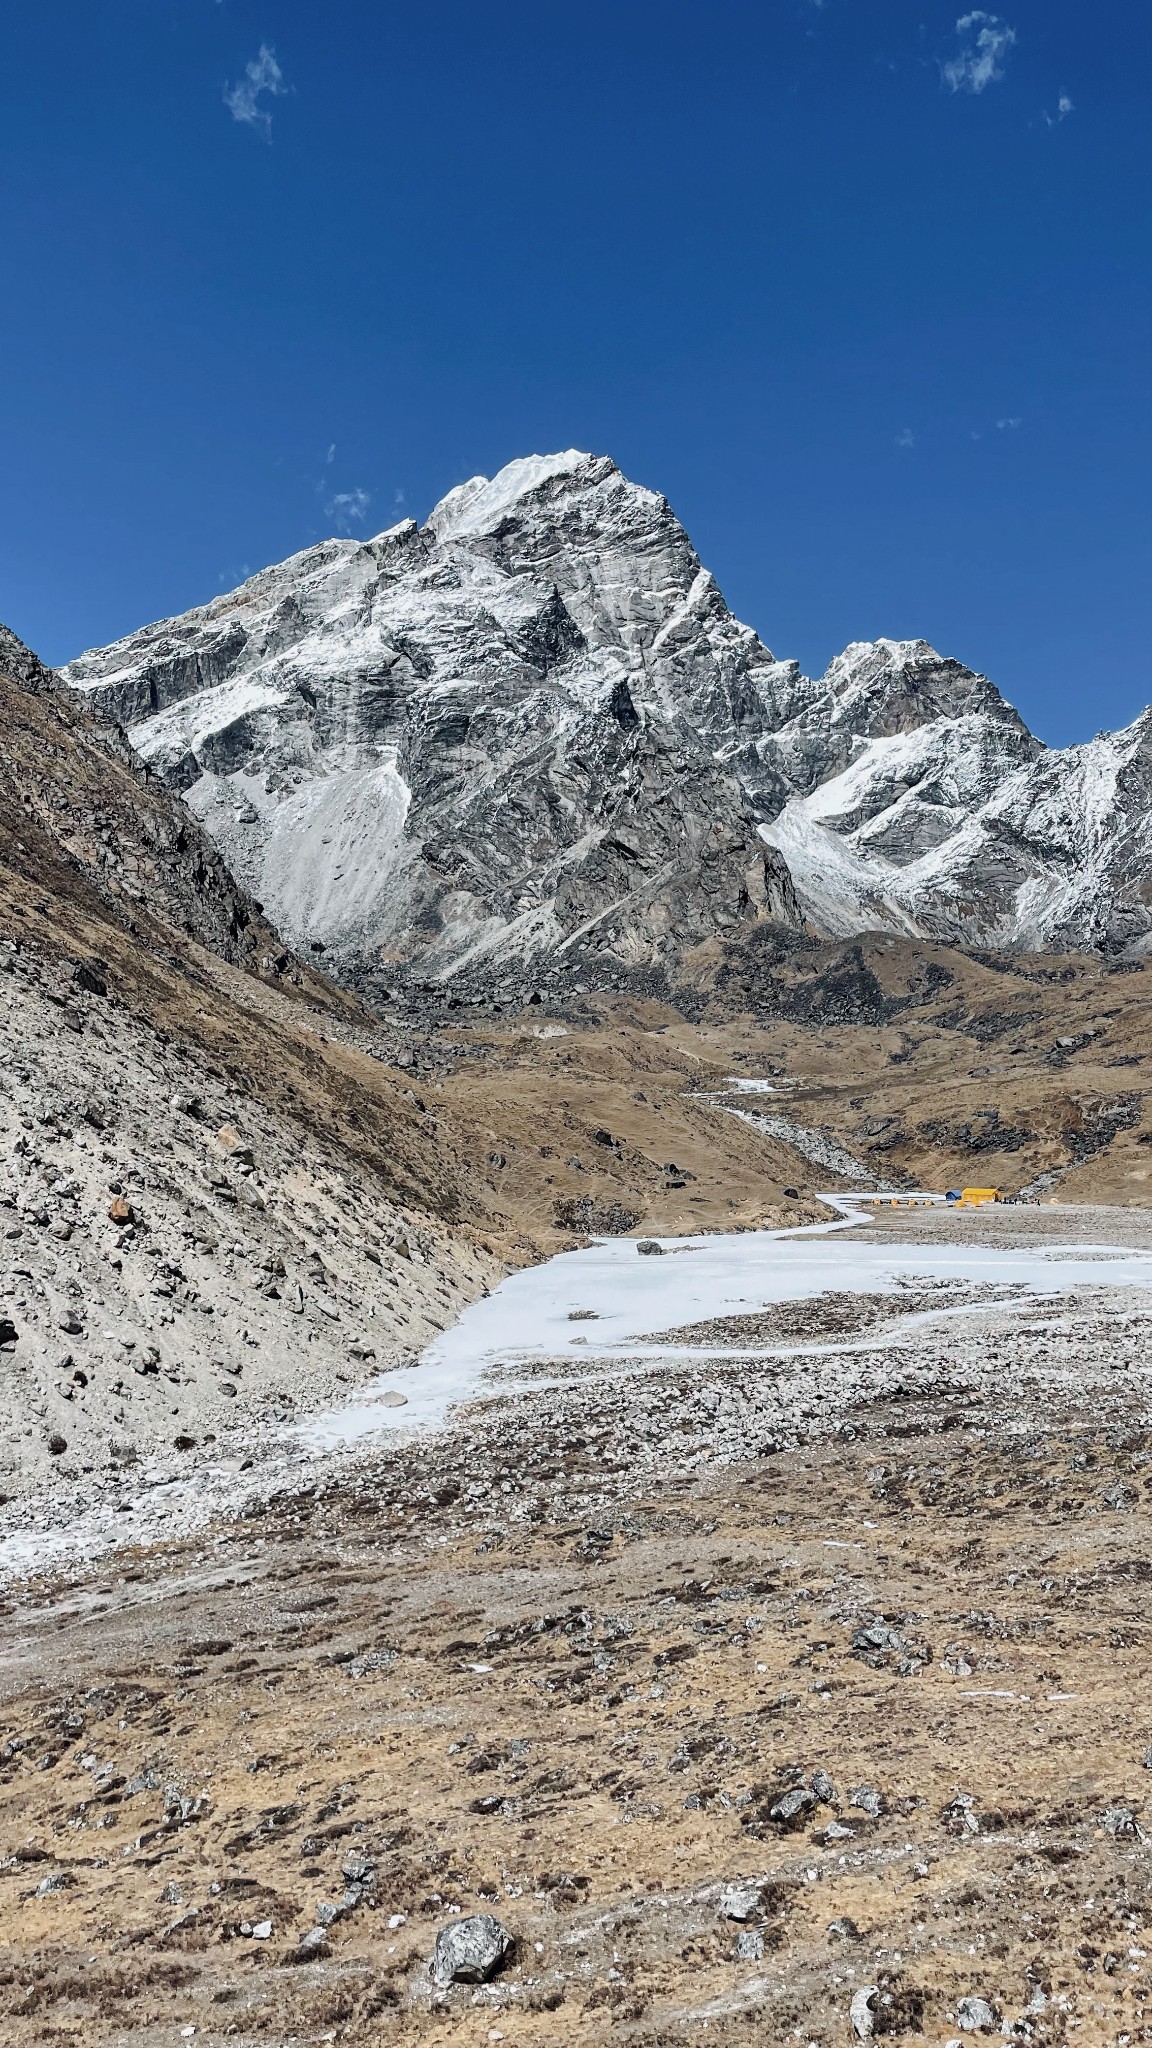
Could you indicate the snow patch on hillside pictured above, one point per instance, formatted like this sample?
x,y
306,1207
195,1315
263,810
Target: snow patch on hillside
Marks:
x,y
319,858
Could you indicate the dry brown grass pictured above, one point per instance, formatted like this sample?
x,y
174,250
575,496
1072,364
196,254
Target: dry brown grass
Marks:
x,y
613,1761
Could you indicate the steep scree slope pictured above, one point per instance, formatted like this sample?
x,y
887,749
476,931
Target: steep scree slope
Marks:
x,y
214,1207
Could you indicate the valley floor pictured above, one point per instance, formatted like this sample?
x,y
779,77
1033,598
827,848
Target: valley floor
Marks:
x,y
819,1574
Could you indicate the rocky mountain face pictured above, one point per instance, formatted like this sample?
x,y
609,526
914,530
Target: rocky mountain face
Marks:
x,y
220,1204
472,745
530,736
917,801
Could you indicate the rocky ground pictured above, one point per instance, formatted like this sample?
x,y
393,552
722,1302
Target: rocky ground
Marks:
x,y
181,1274
227,1192
746,1693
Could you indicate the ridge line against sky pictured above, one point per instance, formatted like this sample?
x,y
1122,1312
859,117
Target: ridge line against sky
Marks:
x,y
861,293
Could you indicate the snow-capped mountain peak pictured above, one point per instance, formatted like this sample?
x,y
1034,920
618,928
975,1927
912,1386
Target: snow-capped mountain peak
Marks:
x,y
531,730
889,686
479,506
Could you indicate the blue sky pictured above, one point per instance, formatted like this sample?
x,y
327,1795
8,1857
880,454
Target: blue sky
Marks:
x,y
865,293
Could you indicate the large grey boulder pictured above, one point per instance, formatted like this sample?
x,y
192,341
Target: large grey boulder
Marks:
x,y
741,1901
860,2013
470,1951
976,2015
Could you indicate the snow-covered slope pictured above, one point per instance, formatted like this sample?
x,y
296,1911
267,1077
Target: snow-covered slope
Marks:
x,y
532,731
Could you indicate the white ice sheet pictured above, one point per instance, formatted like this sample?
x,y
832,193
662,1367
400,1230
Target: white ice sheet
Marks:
x,y
527,1316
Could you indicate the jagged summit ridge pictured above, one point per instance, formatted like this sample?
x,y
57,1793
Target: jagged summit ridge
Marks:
x,y
532,731
963,827
479,505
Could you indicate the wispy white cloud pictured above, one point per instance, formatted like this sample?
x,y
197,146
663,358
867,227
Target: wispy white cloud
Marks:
x,y
985,41
243,100
906,438
331,455
1007,426
347,509
1064,107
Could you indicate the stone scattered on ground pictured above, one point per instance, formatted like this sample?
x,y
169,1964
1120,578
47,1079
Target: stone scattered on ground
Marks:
x,y
471,1951
556,1667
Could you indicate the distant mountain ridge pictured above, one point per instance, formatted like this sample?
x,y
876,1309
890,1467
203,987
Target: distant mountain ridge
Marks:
x,y
530,735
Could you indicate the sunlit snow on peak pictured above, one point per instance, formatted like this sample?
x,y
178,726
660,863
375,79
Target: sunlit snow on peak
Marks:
x,y
480,504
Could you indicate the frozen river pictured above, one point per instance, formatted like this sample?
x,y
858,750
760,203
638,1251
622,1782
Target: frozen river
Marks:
x,y
624,1299
595,1312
